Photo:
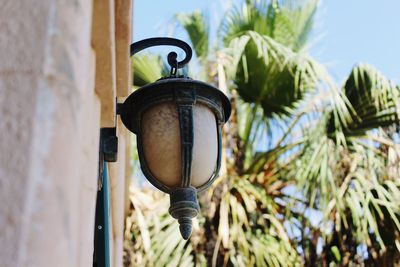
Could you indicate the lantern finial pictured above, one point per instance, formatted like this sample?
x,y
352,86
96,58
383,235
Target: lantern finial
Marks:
x,y
184,207
185,227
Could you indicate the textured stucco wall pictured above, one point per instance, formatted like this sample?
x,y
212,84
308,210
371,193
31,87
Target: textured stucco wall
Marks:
x,y
61,62
49,127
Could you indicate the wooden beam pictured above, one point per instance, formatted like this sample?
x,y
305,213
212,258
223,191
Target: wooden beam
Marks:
x,y
123,29
103,42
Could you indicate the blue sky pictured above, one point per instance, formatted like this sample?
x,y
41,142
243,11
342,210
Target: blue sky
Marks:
x,y
346,32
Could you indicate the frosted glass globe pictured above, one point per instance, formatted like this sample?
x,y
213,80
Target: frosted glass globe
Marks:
x,y
162,145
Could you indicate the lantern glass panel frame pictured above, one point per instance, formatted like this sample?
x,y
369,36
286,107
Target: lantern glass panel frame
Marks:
x,y
182,91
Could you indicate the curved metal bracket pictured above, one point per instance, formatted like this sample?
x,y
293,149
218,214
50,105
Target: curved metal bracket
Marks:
x,y
172,56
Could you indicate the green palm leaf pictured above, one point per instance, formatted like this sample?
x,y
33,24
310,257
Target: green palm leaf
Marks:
x,y
196,26
374,101
287,22
148,68
281,79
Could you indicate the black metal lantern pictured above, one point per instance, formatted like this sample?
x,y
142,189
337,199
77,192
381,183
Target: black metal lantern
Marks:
x,y
178,124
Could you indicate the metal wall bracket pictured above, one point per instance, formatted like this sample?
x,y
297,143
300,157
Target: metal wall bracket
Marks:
x,y
109,144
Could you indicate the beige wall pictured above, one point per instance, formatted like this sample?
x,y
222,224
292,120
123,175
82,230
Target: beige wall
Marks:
x,y
54,97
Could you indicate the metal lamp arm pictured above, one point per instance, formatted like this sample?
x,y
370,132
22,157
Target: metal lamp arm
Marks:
x,y
172,56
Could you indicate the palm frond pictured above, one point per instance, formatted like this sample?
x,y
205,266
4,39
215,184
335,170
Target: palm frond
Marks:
x,y
287,22
281,79
147,68
152,236
248,227
196,26
374,100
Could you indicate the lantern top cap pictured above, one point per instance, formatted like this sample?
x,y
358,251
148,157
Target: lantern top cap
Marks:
x,y
173,88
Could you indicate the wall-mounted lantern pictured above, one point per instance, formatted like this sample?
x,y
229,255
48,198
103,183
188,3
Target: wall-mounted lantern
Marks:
x,y
177,122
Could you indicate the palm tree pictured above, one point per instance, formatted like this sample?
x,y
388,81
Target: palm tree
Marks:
x,y
311,173
346,172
